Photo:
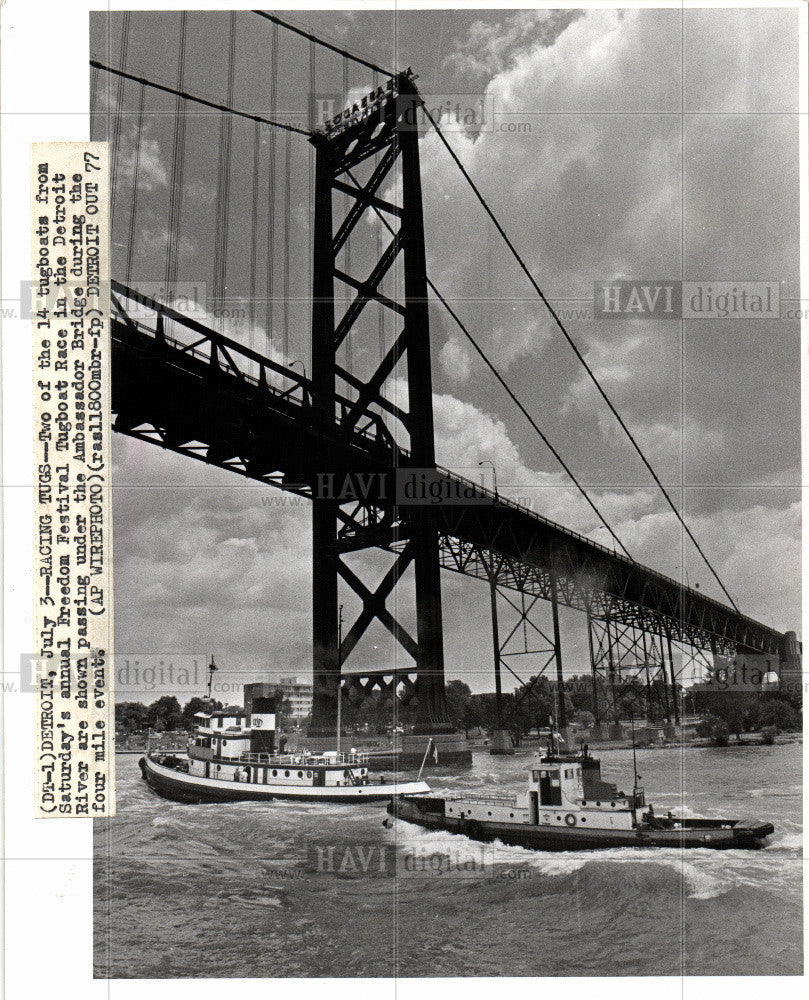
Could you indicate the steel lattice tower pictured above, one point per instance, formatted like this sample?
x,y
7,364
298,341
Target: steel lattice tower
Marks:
x,y
386,131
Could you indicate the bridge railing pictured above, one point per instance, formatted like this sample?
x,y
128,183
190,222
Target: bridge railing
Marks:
x,y
611,554
286,388
192,338
499,498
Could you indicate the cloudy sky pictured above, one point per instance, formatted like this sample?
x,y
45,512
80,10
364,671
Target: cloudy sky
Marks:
x,y
654,144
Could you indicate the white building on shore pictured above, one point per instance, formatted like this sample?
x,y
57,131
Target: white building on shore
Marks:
x,y
298,692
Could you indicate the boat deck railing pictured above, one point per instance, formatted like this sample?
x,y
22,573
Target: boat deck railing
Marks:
x,y
301,759
492,800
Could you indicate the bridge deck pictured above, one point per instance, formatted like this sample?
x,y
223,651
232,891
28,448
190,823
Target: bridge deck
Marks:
x,y
188,388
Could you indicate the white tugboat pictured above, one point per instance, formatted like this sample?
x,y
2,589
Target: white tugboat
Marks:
x,y
567,807
232,758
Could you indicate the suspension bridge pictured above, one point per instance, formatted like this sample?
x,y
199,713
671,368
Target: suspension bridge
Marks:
x,y
354,435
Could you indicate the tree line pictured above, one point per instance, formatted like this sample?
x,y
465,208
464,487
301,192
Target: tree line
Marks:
x,y
535,704
166,714
532,706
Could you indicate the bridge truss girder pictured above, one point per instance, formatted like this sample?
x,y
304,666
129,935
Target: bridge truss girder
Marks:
x,y
578,588
390,688
629,672
525,637
187,388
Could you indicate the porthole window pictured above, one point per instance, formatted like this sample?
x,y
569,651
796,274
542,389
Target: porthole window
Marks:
x,y
300,774
559,817
286,774
612,804
275,774
598,803
584,819
511,815
490,814
308,774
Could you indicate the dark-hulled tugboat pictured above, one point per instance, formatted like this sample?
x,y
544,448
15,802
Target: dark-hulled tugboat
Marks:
x,y
568,807
232,758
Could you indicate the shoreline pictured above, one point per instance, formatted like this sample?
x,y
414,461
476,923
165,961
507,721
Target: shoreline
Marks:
x,y
749,741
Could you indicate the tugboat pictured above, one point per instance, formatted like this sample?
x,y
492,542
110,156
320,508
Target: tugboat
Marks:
x,y
568,807
232,758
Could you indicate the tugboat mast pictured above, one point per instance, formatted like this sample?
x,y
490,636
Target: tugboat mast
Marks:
x,y
211,668
339,677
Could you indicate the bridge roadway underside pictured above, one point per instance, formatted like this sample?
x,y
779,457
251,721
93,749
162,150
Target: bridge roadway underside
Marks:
x,y
218,402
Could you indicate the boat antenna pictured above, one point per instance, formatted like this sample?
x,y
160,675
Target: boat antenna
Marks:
x,y
554,744
211,668
634,754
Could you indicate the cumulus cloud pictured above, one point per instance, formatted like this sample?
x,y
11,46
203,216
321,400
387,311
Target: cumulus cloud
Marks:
x,y
154,242
588,193
146,158
456,361
487,48
205,561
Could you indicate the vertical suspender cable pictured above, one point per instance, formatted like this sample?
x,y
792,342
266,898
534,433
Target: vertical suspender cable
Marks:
x,y
254,230
576,350
380,309
223,207
93,95
135,184
287,193
119,101
178,162
271,188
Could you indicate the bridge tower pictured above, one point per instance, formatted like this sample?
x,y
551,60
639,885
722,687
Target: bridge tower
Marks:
x,y
371,151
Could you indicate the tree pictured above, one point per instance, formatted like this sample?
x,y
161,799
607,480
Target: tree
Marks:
x,y
283,708
737,709
779,713
197,705
705,726
458,696
164,713
580,690
130,717
471,716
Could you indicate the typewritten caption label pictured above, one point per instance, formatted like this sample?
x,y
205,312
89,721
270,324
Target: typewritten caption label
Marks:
x,y
71,671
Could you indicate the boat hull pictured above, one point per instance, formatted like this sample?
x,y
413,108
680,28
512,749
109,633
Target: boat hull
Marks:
x,y
179,786
705,833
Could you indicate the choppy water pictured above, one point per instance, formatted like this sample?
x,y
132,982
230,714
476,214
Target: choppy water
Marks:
x,y
242,890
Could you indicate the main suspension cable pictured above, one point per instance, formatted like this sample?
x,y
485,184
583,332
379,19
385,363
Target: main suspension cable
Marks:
x,y
515,399
326,45
199,100
515,253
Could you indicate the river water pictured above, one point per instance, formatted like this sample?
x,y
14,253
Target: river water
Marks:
x,y
272,890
